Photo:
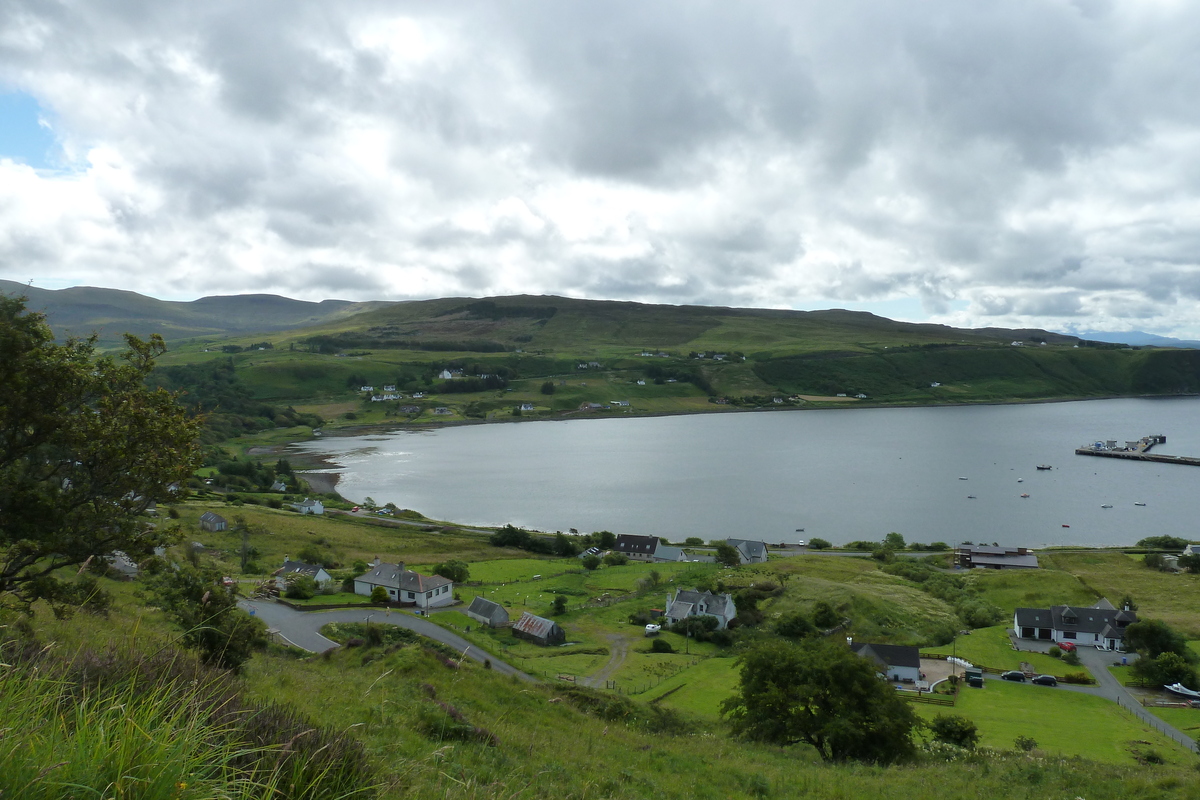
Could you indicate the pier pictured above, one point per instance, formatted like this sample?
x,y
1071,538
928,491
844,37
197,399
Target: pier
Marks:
x,y
1136,451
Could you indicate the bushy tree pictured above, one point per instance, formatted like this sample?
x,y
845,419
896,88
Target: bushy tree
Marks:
x,y
1163,543
548,387
301,588
591,561
728,555
817,543
955,729
1150,638
85,448
795,626
379,594
1165,669
824,695
220,632
453,569
894,541
565,546
560,605
615,559
824,616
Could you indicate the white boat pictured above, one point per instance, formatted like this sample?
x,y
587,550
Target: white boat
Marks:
x,y
1180,689
1139,504
1020,480
1107,505
1044,466
961,478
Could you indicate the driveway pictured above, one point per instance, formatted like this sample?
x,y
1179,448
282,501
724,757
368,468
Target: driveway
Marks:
x,y
302,629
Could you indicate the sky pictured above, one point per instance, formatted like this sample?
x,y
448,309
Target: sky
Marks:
x,y
977,164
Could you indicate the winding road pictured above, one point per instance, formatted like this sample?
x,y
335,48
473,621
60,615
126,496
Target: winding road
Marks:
x,y
303,629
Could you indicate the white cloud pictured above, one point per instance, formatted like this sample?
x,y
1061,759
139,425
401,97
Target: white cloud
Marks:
x,y
1032,163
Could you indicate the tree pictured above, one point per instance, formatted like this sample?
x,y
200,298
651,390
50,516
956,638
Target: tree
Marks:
x,y
605,540
548,387
694,541
1191,563
1150,638
956,730
301,587
565,546
1165,669
454,569
1163,543
560,605
824,695
591,561
1128,602
894,541
85,448
795,626
817,543
615,559
728,555
213,625
379,594
824,616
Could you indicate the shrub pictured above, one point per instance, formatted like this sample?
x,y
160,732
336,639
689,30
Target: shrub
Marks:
x,y
819,544
661,646
1080,678
591,561
824,617
616,559
1025,743
302,588
1054,652
379,595
1071,658
955,729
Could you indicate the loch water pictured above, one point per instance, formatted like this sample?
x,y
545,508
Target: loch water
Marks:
x,y
839,474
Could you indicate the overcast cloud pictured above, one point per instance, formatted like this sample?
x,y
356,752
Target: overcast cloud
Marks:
x,y
1024,163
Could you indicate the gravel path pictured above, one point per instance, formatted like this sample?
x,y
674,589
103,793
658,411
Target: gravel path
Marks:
x,y
302,629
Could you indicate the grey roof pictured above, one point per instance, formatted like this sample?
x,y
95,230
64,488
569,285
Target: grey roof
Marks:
x,y
688,601
308,503
892,655
1033,618
209,516
632,543
487,609
300,568
666,552
1027,561
395,576
1086,620
537,627
750,550
1103,603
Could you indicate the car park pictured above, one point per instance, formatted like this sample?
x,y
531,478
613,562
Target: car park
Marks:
x,y
1046,680
1013,675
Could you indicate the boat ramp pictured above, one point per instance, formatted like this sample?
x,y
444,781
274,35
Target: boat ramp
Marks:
x,y
1137,451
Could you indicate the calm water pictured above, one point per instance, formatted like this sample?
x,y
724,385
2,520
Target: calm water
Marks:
x,y
839,474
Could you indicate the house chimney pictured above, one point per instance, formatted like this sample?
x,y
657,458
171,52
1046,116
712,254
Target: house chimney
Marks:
x,y
285,558
375,563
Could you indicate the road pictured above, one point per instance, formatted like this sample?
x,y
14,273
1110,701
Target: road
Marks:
x,y
302,629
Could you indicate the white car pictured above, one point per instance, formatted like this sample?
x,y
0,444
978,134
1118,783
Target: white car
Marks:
x,y
653,629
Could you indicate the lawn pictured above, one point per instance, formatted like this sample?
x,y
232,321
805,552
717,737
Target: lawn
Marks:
x,y
1031,588
700,689
1062,722
991,647
1171,597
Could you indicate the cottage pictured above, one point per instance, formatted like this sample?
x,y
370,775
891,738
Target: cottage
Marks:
x,y
442,411
410,409
310,506
291,570
487,613
366,388
538,630
895,662
527,407
391,387
122,564
751,552
406,586
690,603
637,548
621,403
978,556
1100,626
278,486
445,374
212,522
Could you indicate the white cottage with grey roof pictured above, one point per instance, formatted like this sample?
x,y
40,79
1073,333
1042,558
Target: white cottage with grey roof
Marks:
x,y
1100,626
405,586
749,551
690,603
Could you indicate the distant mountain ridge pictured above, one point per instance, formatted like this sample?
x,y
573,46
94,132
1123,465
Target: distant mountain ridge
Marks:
x,y
110,313
1139,339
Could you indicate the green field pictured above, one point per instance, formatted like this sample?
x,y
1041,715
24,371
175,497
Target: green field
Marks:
x,y
991,647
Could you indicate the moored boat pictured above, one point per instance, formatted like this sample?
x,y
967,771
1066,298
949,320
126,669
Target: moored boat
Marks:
x,y
1044,466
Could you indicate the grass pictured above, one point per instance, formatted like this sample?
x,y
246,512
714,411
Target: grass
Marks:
x,y
1031,588
1063,722
991,647
700,689
1170,597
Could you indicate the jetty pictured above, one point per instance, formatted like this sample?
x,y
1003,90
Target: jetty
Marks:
x,y
1136,451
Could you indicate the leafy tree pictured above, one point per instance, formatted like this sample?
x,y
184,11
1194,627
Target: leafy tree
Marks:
x,y
605,540
454,569
548,387
1154,561
302,587
564,545
795,626
615,559
824,616
817,543
560,605
1151,637
1163,543
311,554
1025,743
824,695
591,561
85,448
956,730
1165,669
894,541
1190,563
939,547
694,541
728,555
213,625
379,595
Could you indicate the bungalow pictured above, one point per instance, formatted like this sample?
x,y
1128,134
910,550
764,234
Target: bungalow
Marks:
x,y
278,486
1100,625
442,410
212,522
621,403
978,556
487,613
538,630
310,506
291,570
406,586
391,387
895,662
410,409
526,407
637,548
690,603
751,552
366,388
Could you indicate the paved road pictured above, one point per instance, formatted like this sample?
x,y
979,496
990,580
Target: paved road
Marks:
x,y
302,629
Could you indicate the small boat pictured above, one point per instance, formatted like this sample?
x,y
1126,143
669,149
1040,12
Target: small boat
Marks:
x,y
799,530
961,478
1107,505
1025,494
1044,466
970,497
1183,691
1066,526
1139,504
1020,480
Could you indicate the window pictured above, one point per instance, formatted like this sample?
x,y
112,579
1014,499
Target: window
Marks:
x,y
411,595
1068,634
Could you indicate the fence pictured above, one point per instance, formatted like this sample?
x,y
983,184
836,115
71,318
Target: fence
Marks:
x,y
1156,723
931,699
651,683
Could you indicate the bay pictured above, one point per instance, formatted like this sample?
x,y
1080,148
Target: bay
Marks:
x,y
841,475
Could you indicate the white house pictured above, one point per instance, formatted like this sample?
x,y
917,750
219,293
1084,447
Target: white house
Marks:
x,y
690,603
406,586
1100,626
293,569
310,506
895,662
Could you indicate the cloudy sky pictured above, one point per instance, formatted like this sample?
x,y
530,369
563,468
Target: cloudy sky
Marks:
x,y
1019,163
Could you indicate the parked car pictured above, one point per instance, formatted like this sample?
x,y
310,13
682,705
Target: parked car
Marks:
x,y
1046,680
1013,675
1066,647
